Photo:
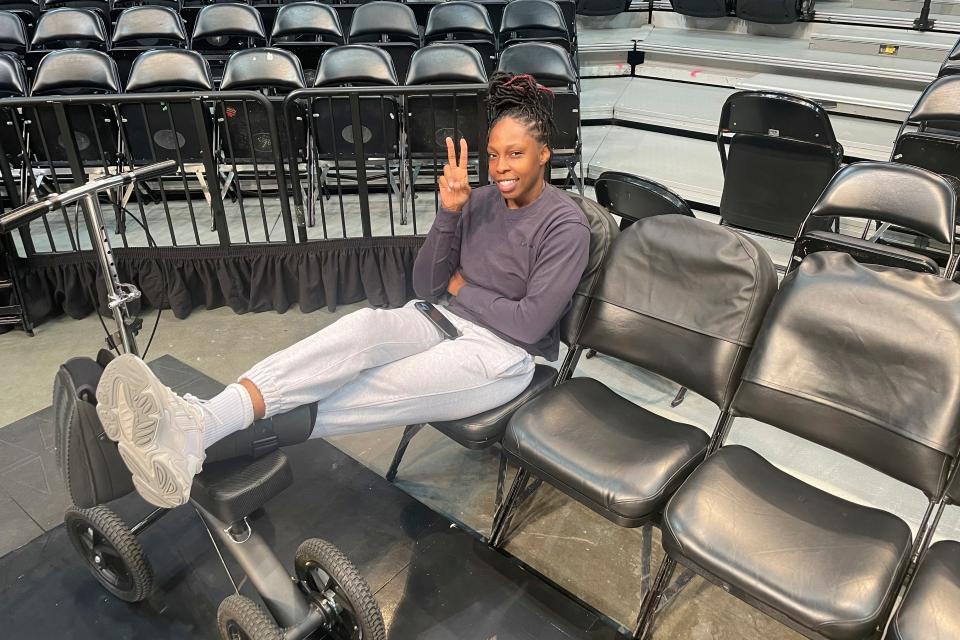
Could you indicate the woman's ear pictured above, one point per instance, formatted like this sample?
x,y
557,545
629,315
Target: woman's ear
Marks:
x,y
544,155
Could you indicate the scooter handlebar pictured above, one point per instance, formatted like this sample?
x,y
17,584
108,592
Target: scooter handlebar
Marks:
x,y
22,216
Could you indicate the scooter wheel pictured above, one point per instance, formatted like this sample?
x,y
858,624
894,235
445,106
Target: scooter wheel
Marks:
x,y
332,582
240,618
111,552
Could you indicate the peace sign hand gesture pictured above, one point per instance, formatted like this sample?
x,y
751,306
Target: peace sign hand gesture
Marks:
x,y
454,183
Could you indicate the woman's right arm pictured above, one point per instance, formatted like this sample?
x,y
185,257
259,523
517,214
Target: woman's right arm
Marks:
x,y
439,257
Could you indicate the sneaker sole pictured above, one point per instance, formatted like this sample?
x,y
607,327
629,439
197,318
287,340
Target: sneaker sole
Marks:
x,y
132,411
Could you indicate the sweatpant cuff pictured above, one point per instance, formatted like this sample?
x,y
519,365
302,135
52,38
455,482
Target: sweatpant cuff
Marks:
x,y
264,379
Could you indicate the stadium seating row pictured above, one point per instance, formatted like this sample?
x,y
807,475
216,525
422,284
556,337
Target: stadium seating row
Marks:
x,y
307,27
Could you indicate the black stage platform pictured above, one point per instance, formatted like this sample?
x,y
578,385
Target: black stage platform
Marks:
x,y
431,579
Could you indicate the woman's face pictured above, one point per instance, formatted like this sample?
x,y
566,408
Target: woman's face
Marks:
x,y
516,162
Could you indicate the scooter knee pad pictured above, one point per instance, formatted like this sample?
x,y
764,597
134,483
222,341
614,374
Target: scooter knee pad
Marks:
x,y
264,436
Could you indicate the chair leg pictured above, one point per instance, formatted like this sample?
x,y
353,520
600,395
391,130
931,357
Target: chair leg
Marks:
x,y
408,433
501,477
503,511
651,601
678,399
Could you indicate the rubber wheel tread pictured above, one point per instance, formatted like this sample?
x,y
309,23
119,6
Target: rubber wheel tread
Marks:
x,y
248,615
354,587
109,525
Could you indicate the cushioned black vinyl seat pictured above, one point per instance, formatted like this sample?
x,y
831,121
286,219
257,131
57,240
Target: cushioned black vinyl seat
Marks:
x,y
306,18
483,429
236,488
262,68
228,19
570,433
169,70
548,63
822,561
149,23
458,16
66,26
539,20
13,36
702,8
634,198
13,78
931,609
446,62
76,71
355,64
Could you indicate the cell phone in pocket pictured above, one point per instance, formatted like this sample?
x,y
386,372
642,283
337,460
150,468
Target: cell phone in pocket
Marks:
x,y
439,320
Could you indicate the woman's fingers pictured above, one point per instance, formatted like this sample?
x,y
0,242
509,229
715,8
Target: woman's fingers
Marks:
x,y
451,154
463,155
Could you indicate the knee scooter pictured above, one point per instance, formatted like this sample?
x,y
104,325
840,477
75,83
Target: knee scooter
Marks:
x,y
325,598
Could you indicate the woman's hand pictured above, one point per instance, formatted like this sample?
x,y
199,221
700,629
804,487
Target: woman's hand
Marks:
x,y
454,183
456,282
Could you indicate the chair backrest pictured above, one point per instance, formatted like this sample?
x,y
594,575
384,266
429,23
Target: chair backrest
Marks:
x,y
458,16
537,15
634,198
702,8
864,360
68,26
306,19
263,68
601,7
603,231
149,23
169,70
788,140
444,63
769,11
550,64
356,64
13,35
684,298
73,71
13,77
228,19
930,135
382,17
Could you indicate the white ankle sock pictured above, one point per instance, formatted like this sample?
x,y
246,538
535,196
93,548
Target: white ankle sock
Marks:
x,y
227,412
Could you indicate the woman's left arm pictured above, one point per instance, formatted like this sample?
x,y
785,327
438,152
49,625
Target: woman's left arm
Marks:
x,y
552,283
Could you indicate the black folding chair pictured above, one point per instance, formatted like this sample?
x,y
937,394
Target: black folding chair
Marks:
x,y
487,429
390,26
466,23
145,28
782,154
915,201
862,360
307,29
65,28
222,29
534,21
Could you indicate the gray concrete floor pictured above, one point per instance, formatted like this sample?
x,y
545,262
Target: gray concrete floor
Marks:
x,y
599,562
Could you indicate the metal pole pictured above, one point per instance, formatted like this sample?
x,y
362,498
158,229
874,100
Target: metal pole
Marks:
x,y
116,297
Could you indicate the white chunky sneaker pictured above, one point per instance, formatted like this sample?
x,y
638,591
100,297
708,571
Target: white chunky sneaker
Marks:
x,y
159,434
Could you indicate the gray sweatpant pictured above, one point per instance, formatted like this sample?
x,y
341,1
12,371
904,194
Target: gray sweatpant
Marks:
x,y
377,368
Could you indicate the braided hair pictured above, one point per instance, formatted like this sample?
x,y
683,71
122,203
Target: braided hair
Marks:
x,y
522,98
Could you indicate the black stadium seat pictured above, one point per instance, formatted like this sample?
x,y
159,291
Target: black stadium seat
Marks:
x,y
703,8
69,28
464,22
222,29
307,29
614,456
861,360
774,11
906,197
390,26
533,21
13,84
634,198
171,130
601,7
13,35
788,142
245,124
73,72
145,28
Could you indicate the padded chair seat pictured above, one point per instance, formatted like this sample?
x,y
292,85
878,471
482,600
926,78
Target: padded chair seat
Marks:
x,y
593,444
484,429
931,610
826,563
236,488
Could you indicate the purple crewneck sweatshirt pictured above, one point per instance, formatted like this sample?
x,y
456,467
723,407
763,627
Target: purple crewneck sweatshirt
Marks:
x,y
522,266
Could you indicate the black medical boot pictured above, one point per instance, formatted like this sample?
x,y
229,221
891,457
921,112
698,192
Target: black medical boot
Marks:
x,y
88,460
266,435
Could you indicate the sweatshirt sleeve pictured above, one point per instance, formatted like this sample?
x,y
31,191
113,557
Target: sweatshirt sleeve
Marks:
x,y
552,283
439,256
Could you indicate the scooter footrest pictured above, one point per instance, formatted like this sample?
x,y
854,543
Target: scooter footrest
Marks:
x,y
235,488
